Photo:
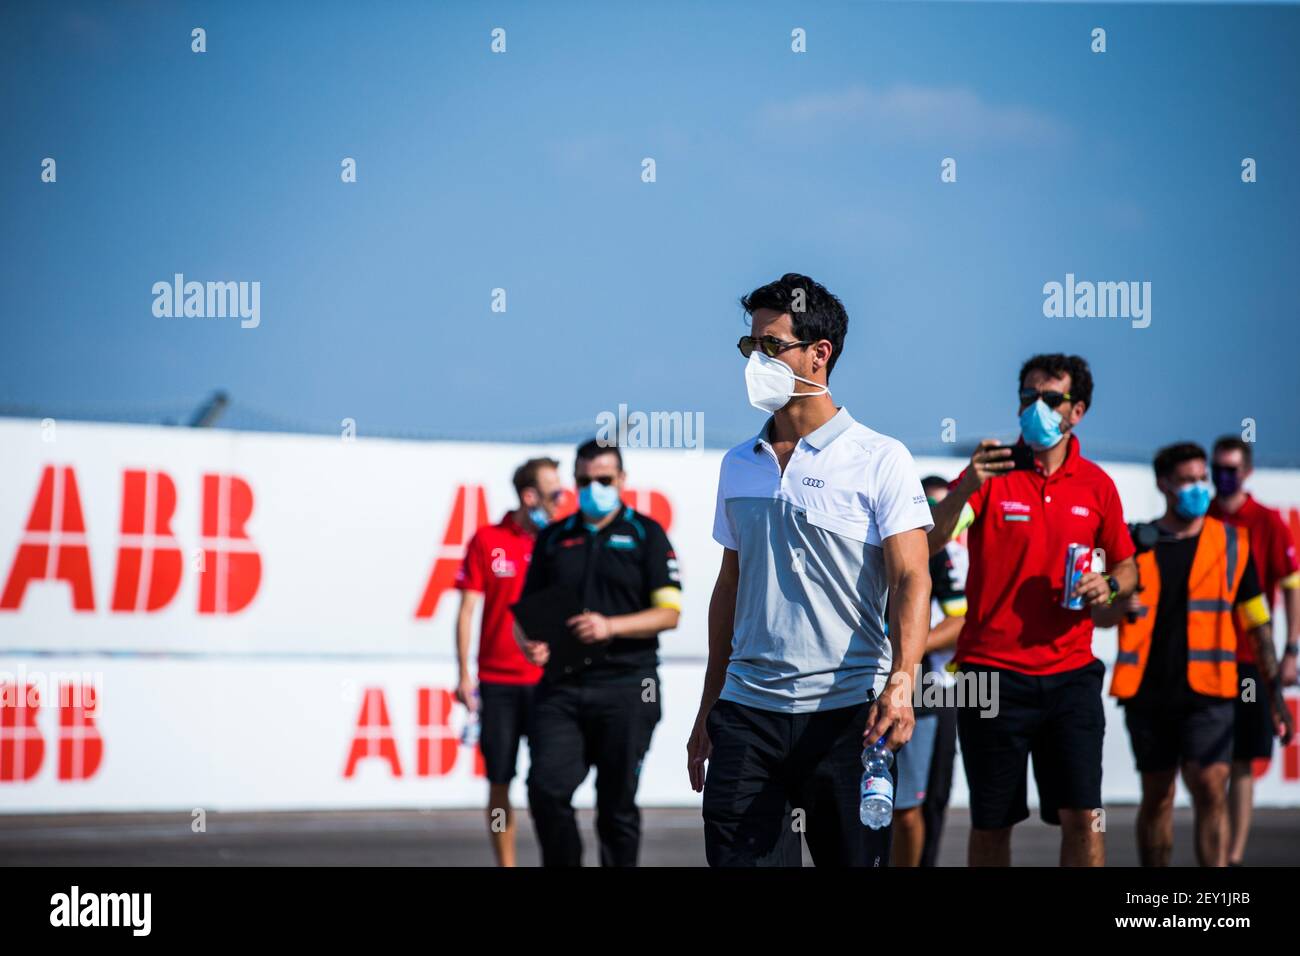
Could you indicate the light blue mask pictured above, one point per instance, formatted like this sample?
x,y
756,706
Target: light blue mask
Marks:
x,y
597,500
539,517
1193,500
1041,426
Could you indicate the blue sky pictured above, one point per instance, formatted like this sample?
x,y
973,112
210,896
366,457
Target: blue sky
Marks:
x,y
522,170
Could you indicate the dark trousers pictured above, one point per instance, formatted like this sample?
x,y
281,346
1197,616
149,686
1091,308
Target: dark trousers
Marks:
x,y
939,787
773,776
577,725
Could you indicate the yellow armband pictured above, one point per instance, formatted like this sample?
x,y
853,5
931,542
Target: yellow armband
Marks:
x,y
964,520
1253,613
954,607
670,597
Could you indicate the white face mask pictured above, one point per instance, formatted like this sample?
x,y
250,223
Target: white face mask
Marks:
x,y
771,383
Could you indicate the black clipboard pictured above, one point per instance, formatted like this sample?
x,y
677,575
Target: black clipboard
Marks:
x,y
542,616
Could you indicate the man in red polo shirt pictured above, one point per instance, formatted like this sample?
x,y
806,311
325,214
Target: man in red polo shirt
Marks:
x,y
1271,547
492,573
1036,655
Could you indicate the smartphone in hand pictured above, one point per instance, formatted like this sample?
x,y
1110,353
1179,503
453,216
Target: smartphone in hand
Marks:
x,y
1022,457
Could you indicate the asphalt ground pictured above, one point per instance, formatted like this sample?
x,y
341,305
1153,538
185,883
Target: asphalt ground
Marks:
x,y
459,838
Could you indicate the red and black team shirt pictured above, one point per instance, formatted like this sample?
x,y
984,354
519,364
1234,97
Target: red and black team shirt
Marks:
x,y
1272,550
1023,522
496,565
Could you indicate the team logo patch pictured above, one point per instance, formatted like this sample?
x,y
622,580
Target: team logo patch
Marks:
x,y
620,542
814,483
1015,507
1079,510
502,566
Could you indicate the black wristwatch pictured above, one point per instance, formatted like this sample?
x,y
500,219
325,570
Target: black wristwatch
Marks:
x,y
1114,589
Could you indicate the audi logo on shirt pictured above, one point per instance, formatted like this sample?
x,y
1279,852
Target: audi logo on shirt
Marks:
x,y
814,483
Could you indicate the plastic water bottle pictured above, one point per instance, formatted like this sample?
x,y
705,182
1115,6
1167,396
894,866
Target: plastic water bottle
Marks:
x,y
469,736
877,807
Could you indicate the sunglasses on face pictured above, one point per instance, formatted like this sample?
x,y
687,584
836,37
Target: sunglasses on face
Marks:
x,y
1051,399
770,345
585,480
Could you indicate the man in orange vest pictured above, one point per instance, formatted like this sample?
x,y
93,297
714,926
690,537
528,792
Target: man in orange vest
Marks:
x,y
1176,672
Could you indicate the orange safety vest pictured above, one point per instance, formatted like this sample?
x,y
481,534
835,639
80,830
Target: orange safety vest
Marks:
x,y
1217,568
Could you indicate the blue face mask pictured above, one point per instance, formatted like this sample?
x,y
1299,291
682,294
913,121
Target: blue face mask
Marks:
x,y
1193,500
539,517
597,500
1041,426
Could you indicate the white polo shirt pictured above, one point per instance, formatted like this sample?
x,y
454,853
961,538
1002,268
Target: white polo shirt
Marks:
x,y
810,631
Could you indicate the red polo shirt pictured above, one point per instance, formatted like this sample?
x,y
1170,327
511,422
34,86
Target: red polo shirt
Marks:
x,y
495,565
1272,549
1023,523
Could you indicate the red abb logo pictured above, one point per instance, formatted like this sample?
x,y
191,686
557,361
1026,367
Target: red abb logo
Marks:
x,y
22,748
53,546
1290,753
460,528
436,744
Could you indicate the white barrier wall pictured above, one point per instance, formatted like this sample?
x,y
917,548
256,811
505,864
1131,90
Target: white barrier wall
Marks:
x,y
250,621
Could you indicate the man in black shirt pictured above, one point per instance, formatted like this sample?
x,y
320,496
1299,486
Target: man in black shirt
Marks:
x,y
1176,671
599,699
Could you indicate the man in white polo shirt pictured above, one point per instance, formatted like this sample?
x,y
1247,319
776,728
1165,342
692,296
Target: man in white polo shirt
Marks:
x,y
821,519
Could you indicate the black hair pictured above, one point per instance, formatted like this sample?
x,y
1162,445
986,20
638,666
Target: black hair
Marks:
x,y
594,448
1233,443
930,482
1171,456
1057,364
822,315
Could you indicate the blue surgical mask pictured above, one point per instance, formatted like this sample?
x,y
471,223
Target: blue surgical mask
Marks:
x,y
597,500
1193,500
1041,426
539,517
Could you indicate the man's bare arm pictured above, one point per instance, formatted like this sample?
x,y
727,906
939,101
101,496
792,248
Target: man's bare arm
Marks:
x,y
945,516
722,621
943,636
469,600
1265,651
989,459
1291,601
907,568
648,623
1266,661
